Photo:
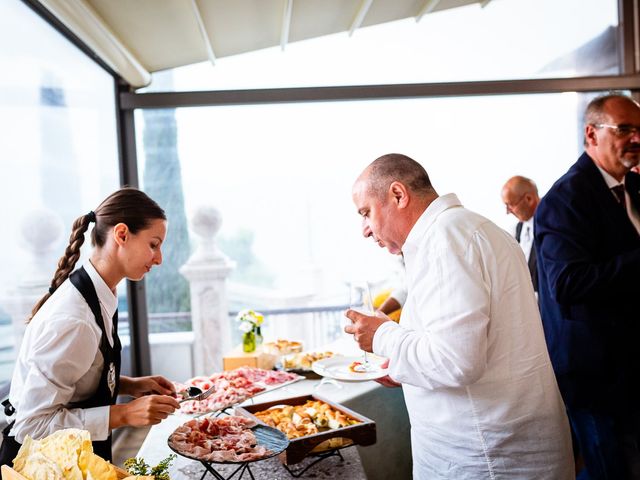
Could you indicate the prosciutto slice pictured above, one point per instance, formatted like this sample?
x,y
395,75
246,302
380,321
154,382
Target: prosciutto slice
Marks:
x,y
232,387
221,439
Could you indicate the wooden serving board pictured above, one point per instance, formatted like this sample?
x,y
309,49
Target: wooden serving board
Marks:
x,y
363,433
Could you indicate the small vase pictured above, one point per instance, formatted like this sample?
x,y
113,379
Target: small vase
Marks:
x,y
259,338
249,342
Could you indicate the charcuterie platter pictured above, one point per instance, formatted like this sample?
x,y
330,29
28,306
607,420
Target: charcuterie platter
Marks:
x,y
227,439
233,387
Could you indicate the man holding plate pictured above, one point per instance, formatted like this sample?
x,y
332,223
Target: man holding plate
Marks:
x,y
469,351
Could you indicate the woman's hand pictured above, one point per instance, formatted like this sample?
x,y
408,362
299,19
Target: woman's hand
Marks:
x,y
143,411
141,386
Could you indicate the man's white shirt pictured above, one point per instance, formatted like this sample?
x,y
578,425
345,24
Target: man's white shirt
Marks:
x,y
471,355
526,238
632,212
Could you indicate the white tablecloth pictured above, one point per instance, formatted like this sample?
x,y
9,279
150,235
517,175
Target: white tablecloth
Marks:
x,y
390,457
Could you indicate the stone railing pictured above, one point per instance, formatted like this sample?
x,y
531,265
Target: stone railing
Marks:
x,y
290,316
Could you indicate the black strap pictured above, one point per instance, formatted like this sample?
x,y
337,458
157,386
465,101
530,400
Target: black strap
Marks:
x,y
81,280
9,449
8,408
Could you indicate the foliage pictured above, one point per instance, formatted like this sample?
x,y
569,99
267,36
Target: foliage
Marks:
x,y
238,246
167,289
137,466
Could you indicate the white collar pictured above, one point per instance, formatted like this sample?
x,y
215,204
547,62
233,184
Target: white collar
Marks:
x,y
105,296
428,217
610,181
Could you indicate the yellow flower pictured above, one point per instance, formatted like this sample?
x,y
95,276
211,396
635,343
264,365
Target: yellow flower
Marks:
x,y
250,316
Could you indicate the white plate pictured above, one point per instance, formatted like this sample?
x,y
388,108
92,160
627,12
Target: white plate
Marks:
x,y
338,368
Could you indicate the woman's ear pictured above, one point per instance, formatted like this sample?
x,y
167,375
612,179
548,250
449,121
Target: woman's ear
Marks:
x,y
399,193
121,233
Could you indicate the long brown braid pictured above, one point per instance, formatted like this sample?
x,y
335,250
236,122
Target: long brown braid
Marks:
x,y
127,205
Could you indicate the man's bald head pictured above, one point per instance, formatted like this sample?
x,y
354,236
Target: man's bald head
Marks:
x,y
390,195
520,196
395,167
520,185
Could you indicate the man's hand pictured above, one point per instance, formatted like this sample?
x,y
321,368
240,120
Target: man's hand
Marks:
x,y
363,328
387,381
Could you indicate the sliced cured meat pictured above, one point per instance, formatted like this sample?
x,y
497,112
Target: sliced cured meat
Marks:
x,y
231,387
221,439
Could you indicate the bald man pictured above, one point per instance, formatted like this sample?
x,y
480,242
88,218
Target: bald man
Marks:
x,y
520,196
469,351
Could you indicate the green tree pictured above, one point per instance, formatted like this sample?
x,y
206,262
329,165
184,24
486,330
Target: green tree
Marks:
x,y
167,289
249,269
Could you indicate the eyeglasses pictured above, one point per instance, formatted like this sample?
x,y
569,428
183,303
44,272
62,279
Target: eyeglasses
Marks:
x,y
511,206
621,131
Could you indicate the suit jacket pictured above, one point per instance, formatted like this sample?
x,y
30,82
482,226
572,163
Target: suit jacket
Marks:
x,y
589,286
533,267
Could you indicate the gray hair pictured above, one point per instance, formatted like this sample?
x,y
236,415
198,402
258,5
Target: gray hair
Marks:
x,y
595,109
395,167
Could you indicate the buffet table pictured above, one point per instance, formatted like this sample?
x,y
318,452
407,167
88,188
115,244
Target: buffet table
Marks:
x,y
390,457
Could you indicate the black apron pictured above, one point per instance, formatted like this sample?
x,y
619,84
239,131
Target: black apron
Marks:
x,y
107,390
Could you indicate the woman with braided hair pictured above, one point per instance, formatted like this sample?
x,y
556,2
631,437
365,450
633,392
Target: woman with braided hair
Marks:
x,y
67,374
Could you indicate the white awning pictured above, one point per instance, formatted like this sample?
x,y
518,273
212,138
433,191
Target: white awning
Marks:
x,y
138,37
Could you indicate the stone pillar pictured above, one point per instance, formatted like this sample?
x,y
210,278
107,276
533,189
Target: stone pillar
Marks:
x,y
41,231
207,271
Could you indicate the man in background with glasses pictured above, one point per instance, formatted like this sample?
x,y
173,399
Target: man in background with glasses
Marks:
x,y
588,245
520,196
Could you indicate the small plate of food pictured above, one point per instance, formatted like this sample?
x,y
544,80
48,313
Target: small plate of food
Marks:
x,y
301,363
351,368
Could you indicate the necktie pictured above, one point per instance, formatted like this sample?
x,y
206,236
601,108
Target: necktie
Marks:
x,y
618,191
527,233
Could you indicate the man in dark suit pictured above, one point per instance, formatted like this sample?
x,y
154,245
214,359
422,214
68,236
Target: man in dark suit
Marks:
x,y
588,246
520,196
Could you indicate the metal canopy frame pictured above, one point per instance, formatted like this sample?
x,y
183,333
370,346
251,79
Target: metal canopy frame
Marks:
x,y
127,101
377,92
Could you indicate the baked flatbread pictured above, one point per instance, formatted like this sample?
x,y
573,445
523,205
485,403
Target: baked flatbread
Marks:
x,y
64,447
40,467
95,467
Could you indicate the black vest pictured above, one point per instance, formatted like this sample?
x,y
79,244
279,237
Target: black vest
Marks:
x,y
107,390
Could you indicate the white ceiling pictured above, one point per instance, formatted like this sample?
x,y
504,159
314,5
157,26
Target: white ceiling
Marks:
x,y
138,37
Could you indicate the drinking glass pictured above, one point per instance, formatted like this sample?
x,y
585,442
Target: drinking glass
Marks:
x,y
360,300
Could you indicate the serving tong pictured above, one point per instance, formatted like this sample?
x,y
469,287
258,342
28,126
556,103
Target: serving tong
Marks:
x,y
196,394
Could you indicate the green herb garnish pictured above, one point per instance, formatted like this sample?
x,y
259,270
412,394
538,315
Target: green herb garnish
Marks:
x,y
137,466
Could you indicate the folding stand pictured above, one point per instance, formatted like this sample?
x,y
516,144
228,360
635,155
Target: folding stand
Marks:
x,y
243,467
320,457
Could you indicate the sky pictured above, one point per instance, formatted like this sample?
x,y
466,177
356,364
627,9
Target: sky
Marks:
x,y
285,171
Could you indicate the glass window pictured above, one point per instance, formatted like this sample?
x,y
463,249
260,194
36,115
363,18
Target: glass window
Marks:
x,y
58,155
507,39
281,176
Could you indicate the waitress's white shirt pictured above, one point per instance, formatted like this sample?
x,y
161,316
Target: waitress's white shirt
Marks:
x,y
60,363
471,355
